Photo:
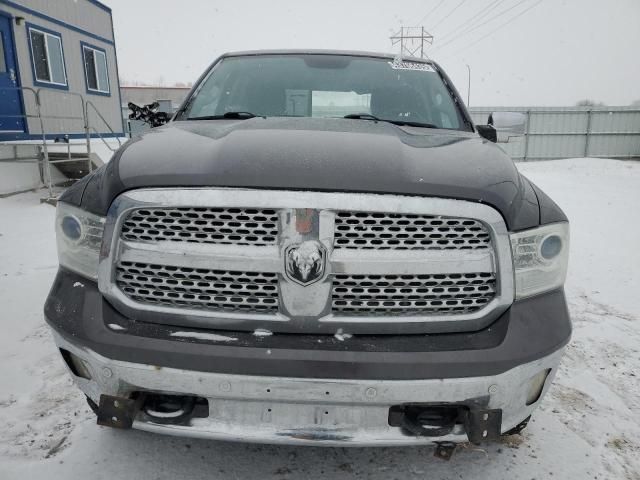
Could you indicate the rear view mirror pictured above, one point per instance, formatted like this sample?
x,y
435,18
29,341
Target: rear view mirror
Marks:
x,y
508,125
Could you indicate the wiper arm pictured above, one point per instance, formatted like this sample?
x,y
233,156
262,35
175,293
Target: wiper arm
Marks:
x,y
409,123
228,115
368,116
363,116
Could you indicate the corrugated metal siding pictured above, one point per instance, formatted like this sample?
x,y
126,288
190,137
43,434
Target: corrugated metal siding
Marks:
x,y
80,13
62,103
561,132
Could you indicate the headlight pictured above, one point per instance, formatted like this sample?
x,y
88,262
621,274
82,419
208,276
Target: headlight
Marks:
x,y
540,258
79,236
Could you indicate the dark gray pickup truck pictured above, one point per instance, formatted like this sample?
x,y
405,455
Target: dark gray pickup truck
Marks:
x,y
320,247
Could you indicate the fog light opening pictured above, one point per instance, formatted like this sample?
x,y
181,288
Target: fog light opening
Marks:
x,y
536,385
77,366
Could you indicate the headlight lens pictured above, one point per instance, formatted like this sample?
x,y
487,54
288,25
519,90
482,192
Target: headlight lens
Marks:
x,y
79,236
540,258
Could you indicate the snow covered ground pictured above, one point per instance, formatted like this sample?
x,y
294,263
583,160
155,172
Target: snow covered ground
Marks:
x,y
588,426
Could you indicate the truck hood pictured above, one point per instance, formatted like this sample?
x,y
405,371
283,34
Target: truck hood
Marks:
x,y
315,154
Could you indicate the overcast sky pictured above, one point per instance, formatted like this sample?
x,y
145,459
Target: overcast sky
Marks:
x,y
521,52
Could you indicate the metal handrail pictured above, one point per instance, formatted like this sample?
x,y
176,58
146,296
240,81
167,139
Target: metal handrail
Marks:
x,y
88,104
84,104
95,130
85,123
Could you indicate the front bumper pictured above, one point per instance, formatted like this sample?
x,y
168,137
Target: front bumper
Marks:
x,y
281,410
529,330
309,389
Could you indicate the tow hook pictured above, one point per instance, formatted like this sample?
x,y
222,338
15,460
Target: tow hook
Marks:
x,y
480,425
118,412
169,409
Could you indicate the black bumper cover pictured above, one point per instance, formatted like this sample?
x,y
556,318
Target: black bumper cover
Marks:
x,y
530,329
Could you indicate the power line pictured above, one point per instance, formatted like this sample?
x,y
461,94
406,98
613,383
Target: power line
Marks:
x,y
497,28
430,12
474,18
474,28
448,14
483,12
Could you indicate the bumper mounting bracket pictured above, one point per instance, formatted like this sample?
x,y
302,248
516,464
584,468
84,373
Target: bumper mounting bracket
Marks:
x,y
118,412
483,425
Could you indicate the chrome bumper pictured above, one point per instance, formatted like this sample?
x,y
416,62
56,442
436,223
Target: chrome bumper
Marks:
x,y
280,410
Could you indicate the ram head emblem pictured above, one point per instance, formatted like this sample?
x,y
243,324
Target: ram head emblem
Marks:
x,y
304,262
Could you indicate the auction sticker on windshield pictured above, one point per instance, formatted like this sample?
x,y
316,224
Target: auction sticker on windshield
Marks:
x,y
402,65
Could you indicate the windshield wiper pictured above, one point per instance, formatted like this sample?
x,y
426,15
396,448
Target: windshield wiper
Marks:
x,y
408,123
228,115
362,116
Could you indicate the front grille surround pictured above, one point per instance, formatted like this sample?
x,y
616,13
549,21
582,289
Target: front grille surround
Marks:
x,y
335,310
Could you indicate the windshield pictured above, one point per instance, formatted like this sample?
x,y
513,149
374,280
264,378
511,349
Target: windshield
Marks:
x,y
326,86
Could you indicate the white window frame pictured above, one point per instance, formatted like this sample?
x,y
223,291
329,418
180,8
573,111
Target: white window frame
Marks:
x,y
95,66
46,50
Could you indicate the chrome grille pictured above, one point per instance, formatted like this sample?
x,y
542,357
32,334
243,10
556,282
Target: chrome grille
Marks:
x,y
397,295
393,264
196,288
231,226
393,231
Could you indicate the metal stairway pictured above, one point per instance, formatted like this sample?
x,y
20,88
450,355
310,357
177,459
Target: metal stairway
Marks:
x,y
74,166
59,154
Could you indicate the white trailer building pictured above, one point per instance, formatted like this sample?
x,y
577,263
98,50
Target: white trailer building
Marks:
x,y
58,83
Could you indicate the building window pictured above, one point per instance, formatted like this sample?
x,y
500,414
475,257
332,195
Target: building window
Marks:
x,y
47,57
3,62
95,69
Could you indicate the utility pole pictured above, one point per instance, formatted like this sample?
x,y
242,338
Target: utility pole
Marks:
x,y
412,41
469,86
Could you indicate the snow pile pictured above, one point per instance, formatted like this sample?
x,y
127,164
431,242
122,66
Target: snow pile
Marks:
x,y
262,332
341,336
587,427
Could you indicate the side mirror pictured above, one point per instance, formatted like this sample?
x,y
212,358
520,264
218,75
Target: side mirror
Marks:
x,y
488,132
508,125
503,126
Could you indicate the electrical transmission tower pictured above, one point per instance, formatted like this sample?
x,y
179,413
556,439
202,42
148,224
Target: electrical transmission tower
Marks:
x,y
413,41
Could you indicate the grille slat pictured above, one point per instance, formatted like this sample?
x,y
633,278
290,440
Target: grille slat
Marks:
x,y
403,295
226,226
195,288
394,231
